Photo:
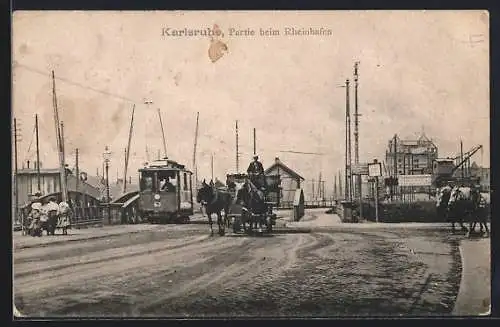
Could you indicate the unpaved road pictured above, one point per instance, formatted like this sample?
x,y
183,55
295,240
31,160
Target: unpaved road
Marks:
x,y
182,271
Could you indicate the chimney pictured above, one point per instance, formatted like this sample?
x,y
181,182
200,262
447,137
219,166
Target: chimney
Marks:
x,y
276,160
28,164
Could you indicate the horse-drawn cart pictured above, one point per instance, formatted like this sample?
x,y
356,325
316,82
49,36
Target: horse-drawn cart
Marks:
x,y
252,209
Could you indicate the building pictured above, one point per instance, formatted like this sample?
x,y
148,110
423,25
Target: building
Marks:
x,y
27,183
290,181
410,157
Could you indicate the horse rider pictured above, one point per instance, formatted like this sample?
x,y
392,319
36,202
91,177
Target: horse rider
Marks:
x,y
256,172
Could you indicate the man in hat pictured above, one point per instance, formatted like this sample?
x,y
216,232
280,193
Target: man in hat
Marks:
x,y
256,172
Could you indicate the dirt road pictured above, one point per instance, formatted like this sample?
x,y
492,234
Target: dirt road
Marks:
x,y
182,271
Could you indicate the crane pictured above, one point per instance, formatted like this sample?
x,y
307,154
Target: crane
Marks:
x,y
466,156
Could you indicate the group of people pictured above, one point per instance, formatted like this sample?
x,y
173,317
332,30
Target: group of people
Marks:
x,y
47,216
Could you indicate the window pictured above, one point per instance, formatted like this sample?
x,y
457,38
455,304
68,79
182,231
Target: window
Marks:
x,y
185,182
147,181
400,171
399,160
167,180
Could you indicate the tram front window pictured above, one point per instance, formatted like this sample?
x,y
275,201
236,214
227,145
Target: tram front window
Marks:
x,y
147,181
168,181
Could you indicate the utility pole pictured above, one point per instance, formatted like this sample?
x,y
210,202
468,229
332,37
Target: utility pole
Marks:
x,y
237,150
127,151
65,181
462,158
393,187
335,186
194,150
254,143
62,168
77,169
212,166
356,140
348,187
340,183
163,135
16,189
37,156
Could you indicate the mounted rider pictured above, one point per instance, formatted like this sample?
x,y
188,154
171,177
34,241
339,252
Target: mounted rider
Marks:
x,y
256,173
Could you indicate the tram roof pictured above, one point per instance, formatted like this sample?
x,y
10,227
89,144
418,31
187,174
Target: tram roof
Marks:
x,y
165,164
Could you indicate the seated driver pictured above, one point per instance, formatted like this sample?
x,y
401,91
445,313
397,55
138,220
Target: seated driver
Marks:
x,y
256,172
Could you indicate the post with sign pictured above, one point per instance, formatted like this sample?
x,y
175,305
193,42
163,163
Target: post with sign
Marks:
x,y
359,170
375,170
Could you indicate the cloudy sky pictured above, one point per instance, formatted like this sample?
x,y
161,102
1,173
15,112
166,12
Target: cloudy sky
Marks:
x,y
418,71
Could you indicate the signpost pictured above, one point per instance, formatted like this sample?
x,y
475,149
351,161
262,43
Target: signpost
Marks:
x,y
375,170
360,169
415,180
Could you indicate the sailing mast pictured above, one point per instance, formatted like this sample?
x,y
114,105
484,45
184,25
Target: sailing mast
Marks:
x,y
127,156
62,170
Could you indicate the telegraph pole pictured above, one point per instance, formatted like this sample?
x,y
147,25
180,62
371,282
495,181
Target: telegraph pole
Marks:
x,y
356,140
62,168
237,150
356,125
194,150
16,189
77,169
348,179
212,166
163,134
462,158
393,187
65,180
37,156
127,151
254,143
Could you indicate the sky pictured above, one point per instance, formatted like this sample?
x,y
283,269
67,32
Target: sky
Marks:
x,y
419,71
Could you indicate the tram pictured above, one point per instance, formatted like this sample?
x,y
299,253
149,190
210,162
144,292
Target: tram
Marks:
x,y
166,192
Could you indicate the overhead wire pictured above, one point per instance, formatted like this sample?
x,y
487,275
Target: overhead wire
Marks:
x,y
77,84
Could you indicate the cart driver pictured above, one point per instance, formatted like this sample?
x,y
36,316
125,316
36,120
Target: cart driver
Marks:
x,y
256,172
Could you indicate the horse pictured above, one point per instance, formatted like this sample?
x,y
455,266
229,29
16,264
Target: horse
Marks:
x,y
442,198
253,201
215,200
467,202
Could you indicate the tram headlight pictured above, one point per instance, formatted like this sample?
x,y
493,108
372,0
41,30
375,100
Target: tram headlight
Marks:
x,y
157,196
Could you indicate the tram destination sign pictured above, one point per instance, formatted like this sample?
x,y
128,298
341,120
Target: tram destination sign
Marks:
x,y
414,180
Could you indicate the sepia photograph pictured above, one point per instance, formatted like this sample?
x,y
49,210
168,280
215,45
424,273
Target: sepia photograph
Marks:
x,y
229,164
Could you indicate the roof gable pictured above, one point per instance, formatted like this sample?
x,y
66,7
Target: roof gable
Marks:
x,y
284,167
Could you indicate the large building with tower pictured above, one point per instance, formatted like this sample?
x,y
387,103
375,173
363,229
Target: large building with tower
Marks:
x,y
410,156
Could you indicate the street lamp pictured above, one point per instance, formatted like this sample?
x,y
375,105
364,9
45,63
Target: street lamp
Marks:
x,y
107,155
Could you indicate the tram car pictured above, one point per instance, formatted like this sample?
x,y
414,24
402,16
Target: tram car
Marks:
x,y
243,218
166,192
